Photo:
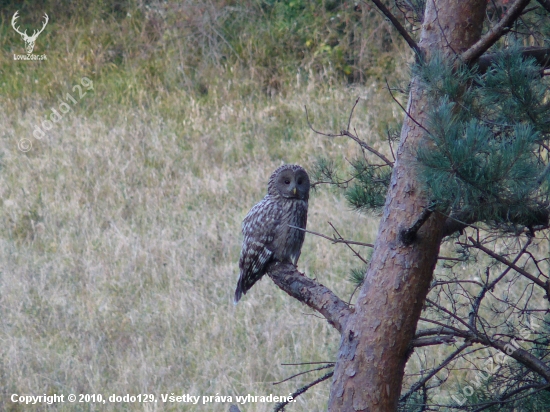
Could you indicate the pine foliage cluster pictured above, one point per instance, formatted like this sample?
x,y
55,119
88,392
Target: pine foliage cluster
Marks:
x,y
486,161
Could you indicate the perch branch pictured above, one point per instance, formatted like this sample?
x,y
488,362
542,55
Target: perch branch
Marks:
x,y
310,292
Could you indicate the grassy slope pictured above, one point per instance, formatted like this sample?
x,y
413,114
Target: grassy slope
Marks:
x,y
120,230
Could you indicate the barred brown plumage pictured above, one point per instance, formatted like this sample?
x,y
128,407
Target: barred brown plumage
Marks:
x,y
267,231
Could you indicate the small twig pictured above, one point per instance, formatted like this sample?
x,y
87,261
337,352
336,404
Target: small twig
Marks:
x,y
450,258
351,135
306,363
434,371
317,131
312,314
391,146
432,340
333,239
496,256
280,406
353,293
350,248
412,44
338,183
451,314
351,113
330,365
504,399
408,236
449,282
405,110
366,146
490,286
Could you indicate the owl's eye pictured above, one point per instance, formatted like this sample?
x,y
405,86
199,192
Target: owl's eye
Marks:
x,y
299,181
287,181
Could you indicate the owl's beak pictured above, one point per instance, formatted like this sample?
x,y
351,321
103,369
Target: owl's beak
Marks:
x,y
294,191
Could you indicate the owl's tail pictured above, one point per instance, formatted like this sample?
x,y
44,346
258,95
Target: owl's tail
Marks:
x,y
245,282
238,294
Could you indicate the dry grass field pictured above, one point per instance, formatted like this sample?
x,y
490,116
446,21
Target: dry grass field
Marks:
x,y
120,229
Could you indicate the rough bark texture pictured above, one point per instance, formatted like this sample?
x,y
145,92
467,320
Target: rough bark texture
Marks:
x,y
375,340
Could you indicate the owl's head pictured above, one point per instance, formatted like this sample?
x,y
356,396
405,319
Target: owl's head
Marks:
x,y
290,182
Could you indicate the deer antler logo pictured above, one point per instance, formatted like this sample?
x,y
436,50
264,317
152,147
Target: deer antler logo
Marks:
x,y
29,40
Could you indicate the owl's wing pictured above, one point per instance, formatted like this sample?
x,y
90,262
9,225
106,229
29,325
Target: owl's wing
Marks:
x,y
258,230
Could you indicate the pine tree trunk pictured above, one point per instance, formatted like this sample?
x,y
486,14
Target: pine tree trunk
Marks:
x,y
375,340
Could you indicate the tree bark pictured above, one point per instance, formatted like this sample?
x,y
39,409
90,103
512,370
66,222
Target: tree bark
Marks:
x,y
375,340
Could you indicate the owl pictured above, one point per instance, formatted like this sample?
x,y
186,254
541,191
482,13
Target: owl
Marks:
x,y
267,231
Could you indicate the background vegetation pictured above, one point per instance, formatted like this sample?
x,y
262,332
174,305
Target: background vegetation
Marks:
x,y
120,229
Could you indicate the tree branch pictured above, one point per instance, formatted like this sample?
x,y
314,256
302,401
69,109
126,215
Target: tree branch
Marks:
x,y
432,340
405,110
310,292
477,302
454,224
540,54
523,357
504,398
492,36
496,256
412,44
328,365
351,135
333,239
434,371
435,331
281,406
367,147
409,235
458,222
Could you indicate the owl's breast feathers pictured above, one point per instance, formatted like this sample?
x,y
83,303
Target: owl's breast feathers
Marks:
x,y
288,240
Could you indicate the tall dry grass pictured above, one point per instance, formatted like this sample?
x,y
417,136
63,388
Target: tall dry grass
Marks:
x,y
120,242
